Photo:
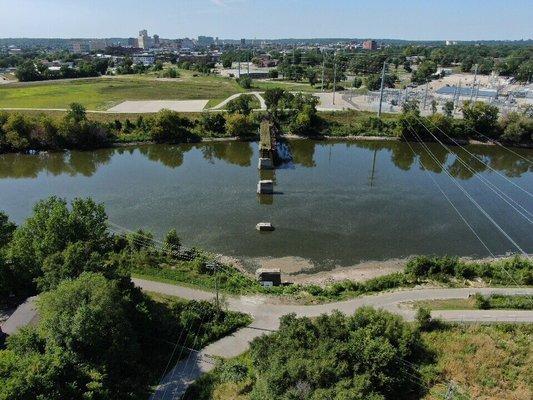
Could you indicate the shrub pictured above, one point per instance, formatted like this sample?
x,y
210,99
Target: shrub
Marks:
x,y
481,302
245,81
423,319
240,125
168,127
214,123
241,105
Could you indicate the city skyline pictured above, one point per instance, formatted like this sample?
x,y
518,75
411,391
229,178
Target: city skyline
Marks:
x,y
233,19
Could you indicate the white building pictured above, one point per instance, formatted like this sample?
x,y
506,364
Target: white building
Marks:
x,y
143,41
144,59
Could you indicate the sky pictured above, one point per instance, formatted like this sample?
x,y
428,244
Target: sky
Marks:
x,y
270,19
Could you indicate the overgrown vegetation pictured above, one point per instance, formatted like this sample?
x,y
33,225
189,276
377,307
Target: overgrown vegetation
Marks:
x,y
499,301
463,361
369,355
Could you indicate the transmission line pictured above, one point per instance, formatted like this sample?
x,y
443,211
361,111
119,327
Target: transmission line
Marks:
x,y
481,209
502,195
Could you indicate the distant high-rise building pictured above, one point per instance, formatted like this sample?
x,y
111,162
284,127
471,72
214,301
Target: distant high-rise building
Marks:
x,y
156,41
143,40
205,41
370,45
243,42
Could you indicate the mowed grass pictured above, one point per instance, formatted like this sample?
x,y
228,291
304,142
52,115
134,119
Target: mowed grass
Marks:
x,y
105,92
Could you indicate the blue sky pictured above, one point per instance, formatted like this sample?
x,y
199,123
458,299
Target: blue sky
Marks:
x,y
402,19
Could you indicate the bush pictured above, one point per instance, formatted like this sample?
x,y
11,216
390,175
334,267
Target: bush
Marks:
x,y
516,128
240,125
337,357
168,127
241,105
423,319
212,123
481,117
481,302
245,82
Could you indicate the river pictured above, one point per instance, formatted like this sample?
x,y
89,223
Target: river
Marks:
x,y
335,203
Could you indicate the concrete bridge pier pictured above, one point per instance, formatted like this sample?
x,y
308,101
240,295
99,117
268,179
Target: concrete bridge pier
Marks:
x,y
265,187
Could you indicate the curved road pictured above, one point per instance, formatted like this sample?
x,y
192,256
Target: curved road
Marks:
x,y
266,316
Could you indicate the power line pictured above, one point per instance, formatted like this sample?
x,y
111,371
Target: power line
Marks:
x,y
453,205
487,215
480,160
502,195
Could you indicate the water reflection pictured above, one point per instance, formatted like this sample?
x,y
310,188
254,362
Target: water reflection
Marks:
x,y
237,153
70,163
302,151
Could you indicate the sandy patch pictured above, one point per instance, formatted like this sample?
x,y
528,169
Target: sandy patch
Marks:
x,y
358,273
151,106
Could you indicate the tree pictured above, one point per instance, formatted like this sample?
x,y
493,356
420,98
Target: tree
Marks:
x,y
6,230
172,241
448,108
213,122
27,72
240,105
481,117
245,81
337,357
76,113
169,127
273,97
240,125
51,228
467,64
373,81
424,72
312,76
357,82
433,106
516,128
273,74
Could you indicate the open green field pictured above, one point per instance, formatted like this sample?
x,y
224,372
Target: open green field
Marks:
x,y
105,92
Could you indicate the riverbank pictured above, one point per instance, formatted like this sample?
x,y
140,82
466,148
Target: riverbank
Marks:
x,y
79,129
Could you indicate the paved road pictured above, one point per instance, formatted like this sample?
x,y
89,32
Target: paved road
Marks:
x,y
266,316
25,314
234,96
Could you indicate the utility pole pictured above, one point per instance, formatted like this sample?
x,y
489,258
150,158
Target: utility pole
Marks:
x,y
334,81
239,74
248,68
474,83
214,268
323,70
426,95
382,86
459,90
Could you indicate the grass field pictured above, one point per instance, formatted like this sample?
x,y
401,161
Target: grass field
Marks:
x,y
105,92
490,362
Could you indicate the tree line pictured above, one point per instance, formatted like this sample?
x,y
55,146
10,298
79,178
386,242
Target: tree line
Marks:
x,y
34,70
